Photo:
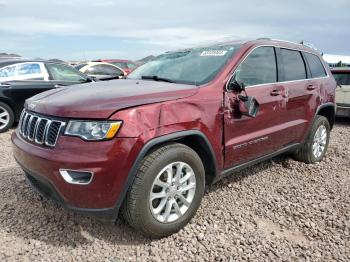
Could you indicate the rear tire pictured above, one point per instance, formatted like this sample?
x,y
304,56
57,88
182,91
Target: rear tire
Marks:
x,y
166,192
315,147
6,117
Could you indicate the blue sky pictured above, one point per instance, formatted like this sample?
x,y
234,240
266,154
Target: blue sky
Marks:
x,y
79,29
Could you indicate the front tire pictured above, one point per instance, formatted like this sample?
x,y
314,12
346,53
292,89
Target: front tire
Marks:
x,y
315,147
166,192
6,117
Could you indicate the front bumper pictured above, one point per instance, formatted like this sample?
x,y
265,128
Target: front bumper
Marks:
x,y
110,161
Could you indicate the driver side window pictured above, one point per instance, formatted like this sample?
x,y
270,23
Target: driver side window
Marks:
x,y
258,68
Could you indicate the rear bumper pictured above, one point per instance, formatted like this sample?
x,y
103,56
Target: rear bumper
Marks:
x,y
110,161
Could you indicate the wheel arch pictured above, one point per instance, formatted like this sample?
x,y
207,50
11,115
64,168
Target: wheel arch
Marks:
x,y
328,111
9,103
194,139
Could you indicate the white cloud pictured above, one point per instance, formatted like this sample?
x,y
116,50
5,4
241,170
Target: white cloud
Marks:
x,y
28,25
92,55
168,24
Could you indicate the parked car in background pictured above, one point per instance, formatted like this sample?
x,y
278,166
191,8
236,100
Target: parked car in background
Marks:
x,y
80,66
342,95
148,144
102,71
21,79
127,65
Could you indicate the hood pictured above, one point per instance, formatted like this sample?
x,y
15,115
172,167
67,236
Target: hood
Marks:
x,y
99,100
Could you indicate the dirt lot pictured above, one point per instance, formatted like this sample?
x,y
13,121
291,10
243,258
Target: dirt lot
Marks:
x,y
277,210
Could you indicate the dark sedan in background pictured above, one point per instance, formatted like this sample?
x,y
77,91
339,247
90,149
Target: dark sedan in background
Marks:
x,y
21,79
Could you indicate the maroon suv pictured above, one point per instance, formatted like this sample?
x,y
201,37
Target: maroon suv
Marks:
x,y
148,144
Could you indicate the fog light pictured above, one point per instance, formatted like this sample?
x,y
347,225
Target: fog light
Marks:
x,y
76,177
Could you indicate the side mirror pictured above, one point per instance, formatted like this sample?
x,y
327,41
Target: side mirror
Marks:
x,y
235,86
248,106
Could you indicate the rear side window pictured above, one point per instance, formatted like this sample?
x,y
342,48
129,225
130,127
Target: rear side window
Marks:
x,y
315,64
28,69
21,71
292,65
258,68
8,71
342,78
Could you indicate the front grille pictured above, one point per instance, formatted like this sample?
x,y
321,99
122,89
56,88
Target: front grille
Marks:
x,y
40,129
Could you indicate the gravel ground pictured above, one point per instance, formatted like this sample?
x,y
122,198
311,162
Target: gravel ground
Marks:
x,y
279,210
6,158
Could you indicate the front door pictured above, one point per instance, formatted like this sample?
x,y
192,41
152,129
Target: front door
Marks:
x,y
248,138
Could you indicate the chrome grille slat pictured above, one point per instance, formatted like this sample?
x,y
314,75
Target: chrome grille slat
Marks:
x,y
47,127
25,124
40,130
40,134
20,121
32,127
36,127
26,132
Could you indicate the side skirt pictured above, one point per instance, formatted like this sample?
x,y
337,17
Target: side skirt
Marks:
x,y
239,167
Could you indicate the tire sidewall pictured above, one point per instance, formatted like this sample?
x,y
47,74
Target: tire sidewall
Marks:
x,y
171,155
318,122
11,115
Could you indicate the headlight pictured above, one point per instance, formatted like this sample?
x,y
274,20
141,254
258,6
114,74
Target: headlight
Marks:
x,y
93,130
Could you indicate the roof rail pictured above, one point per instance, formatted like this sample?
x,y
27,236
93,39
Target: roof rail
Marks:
x,y
263,38
274,39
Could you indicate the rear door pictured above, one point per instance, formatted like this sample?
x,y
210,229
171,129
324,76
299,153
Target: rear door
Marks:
x,y
300,74
248,138
22,81
293,76
18,91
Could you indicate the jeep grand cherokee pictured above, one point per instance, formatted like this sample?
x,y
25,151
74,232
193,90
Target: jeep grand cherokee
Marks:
x,y
148,145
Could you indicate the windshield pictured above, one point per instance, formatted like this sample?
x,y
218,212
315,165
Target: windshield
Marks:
x,y
195,66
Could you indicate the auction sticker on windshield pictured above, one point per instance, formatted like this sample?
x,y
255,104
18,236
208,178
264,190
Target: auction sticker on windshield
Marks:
x,y
213,53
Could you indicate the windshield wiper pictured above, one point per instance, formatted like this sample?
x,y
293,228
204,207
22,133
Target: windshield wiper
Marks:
x,y
157,78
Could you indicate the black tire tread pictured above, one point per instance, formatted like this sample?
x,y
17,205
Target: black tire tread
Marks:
x,y
129,211
304,154
12,117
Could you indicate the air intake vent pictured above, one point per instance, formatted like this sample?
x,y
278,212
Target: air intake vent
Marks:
x,y
39,129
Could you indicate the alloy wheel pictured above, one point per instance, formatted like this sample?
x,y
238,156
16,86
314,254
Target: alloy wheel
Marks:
x,y
320,141
4,117
172,192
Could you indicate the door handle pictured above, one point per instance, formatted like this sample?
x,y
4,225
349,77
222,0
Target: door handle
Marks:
x,y
275,92
311,87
